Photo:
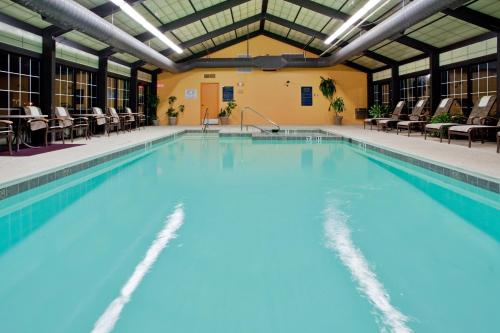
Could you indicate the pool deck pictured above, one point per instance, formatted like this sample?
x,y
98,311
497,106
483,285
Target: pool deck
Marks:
x,y
481,159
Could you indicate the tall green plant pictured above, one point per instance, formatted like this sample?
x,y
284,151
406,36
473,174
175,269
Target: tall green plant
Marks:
x,y
328,89
338,105
226,112
172,111
378,111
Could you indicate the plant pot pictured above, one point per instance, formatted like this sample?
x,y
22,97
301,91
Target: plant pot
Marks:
x,y
224,120
155,122
338,120
172,121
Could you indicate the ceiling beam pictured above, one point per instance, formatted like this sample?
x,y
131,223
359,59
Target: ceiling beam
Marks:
x,y
221,46
338,15
295,26
183,21
264,12
477,18
215,33
320,9
380,58
20,24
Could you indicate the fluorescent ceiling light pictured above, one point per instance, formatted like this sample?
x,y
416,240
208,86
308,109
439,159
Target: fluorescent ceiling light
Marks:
x,y
355,18
148,26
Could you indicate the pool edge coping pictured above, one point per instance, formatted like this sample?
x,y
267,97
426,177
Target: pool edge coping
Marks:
x,y
16,186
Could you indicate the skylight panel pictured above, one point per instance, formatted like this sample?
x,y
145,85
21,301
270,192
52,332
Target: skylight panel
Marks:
x,y
202,4
218,20
247,9
168,11
224,38
190,31
283,9
276,28
335,4
202,47
299,37
248,29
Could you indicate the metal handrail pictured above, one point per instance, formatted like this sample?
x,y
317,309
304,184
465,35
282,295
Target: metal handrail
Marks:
x,y
259,128
260,115
204,122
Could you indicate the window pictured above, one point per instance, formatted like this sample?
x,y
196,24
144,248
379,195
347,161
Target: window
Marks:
x,y
76,89
454,84
414,88
86,91
382,93
64,87
483,81
19,82
118,93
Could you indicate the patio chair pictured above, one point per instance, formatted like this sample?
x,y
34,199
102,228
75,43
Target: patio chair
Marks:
x,y
477,123
101,119
122,120
6,130
418,118
72,123
385,123
141,119
443,108
373,121
36,123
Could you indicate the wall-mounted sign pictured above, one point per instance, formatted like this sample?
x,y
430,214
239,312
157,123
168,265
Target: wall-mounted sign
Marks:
x,y
306,96
190,93
228,94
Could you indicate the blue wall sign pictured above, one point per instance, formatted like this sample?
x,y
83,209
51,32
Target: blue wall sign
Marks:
x,y
227,94
306,94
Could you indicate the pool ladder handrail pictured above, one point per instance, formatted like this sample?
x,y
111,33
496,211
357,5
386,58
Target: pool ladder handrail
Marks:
x,y
204,122
247,108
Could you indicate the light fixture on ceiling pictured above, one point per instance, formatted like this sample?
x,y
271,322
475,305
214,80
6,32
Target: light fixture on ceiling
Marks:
x,y
352,20
148,26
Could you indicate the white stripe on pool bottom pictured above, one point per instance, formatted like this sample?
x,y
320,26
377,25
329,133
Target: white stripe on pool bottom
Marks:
x,y
339,239
109,318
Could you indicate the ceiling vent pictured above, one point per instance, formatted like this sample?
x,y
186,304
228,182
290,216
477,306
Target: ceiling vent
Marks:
x,y
209,76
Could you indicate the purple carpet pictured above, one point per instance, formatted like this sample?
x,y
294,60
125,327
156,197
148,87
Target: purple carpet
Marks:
x,y
24,152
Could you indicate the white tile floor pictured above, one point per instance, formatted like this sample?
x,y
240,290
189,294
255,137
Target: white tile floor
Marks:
x,y
480,159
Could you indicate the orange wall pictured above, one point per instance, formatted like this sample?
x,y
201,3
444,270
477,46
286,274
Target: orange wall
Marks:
x,y
267,92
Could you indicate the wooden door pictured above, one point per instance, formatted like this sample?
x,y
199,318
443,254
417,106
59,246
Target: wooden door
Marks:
x,y
209,99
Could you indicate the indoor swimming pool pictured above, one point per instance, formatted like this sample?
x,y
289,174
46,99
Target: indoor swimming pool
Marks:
x,y
212,234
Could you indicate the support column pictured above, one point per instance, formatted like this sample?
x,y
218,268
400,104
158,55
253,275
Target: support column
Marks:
x,y
498,74
395,85
102,83
133,89
48,74
369,81
435,80
154,92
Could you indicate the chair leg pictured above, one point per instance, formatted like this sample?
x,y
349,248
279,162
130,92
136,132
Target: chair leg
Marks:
x,y
46,137
62,135
9,142
449,137
441,132
470,140
409,130
425,134
72,130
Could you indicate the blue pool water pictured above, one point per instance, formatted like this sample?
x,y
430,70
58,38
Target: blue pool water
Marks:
x,y
206,234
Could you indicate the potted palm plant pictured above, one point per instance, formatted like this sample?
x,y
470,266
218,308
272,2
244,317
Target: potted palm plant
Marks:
x,y
153,101
225,113
338,107
172,111
378,111
328,89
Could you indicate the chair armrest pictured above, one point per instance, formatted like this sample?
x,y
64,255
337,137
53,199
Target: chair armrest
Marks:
x,y
488,120
32,120
6,122
459,119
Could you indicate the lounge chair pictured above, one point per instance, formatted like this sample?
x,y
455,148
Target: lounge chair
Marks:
x,y
418,118
6,130
443,108
122,120
396,117
477,123
140,117
498,142
37,123
72,123
101,119
374,121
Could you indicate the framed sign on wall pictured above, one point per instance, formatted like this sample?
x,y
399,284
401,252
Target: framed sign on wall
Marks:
x,y
306,96
228,94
